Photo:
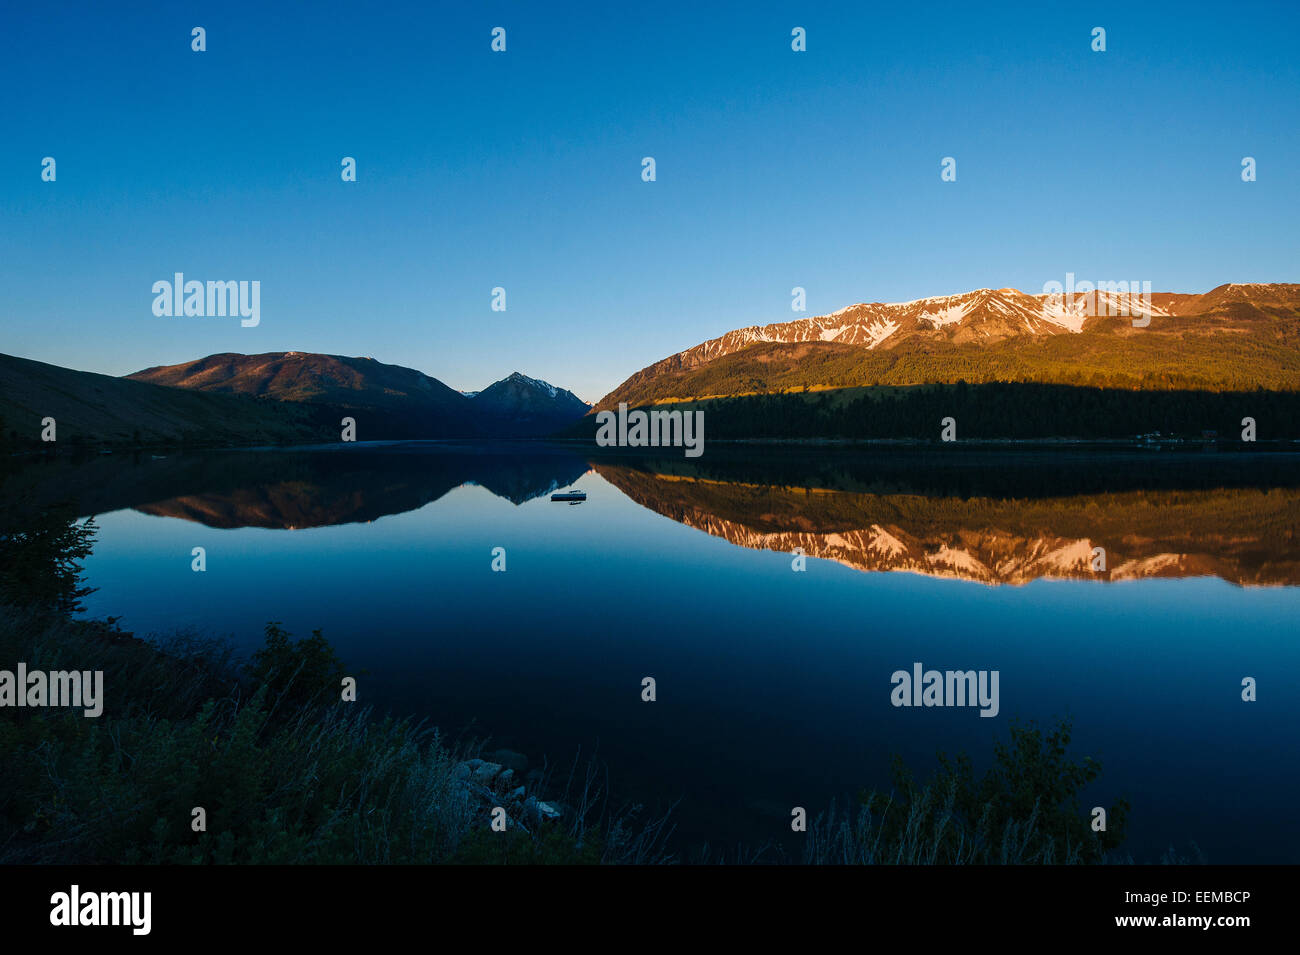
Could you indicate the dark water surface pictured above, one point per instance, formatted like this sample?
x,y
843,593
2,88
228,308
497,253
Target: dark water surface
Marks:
x,y
773,686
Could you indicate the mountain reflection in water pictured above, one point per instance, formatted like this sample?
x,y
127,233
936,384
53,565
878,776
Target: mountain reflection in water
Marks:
x,y
998,517
775,686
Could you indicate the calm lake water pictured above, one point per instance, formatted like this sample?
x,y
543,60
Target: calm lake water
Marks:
x,y
773,685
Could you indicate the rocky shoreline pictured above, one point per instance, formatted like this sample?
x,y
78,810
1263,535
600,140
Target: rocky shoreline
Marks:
x,y
496,785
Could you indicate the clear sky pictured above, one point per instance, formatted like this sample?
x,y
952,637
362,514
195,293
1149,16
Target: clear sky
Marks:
x,y
522,169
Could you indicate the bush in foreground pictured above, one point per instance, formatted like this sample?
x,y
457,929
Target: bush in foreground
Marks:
x,y
282,777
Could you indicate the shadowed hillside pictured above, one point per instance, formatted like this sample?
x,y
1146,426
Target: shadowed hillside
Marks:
x,y
92,409
992,411
387,401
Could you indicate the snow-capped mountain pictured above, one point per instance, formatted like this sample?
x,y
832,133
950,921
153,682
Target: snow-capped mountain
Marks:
x,y
971,320
529,404
982,315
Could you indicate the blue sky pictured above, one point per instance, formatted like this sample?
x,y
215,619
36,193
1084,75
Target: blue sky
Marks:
x,y
522,170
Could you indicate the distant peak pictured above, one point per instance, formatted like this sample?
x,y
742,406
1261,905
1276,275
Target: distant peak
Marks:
x,y
537,383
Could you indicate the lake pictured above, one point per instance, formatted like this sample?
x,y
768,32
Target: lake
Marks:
x,y
773,686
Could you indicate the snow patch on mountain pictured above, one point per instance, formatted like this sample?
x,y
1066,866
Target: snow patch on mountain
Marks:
x,y
960,561
883,542
946,315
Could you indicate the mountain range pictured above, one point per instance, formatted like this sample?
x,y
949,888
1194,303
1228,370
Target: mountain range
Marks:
x,y
273,398
1237,336
1037,366
398,402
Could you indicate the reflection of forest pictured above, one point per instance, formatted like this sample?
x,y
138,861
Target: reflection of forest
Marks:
x,y
1246,535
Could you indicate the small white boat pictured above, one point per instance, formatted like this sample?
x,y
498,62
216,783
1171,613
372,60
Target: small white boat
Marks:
x,y
573,497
